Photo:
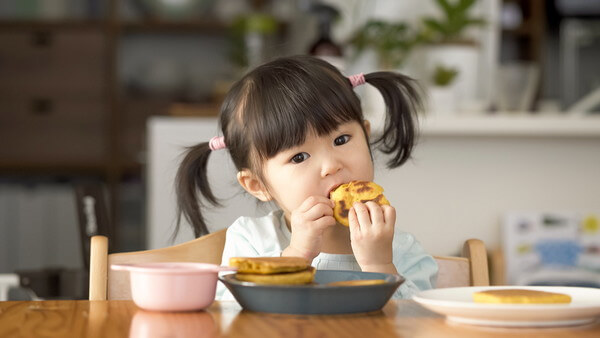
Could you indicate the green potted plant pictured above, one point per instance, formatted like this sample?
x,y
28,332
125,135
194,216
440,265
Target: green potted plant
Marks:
x,y
442,92
250,39
446,42
451,26
391,41
248,35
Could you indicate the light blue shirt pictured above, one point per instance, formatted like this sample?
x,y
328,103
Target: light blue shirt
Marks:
x,y
268,236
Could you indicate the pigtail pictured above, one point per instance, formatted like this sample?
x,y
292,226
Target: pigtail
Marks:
x,y
402,101
191,177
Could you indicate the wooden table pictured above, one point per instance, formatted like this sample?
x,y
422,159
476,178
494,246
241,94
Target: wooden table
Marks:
x,y
405,318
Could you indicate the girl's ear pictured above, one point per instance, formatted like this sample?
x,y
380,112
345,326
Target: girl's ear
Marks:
x,y
252,184
367,125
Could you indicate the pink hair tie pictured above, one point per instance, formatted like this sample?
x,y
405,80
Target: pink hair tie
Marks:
x,y
216,143
357,79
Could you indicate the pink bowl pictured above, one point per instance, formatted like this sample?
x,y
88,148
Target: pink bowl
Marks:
x,y
173,286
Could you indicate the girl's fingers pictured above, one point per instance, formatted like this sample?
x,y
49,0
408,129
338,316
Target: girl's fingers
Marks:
x,y
389,214
353,221
325,222
312,201
376,213
317,211
362,214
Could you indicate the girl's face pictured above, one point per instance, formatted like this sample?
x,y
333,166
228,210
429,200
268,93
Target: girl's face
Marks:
x,y
318,166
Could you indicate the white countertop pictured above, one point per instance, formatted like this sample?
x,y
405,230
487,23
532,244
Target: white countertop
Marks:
x,y
496,125
512,125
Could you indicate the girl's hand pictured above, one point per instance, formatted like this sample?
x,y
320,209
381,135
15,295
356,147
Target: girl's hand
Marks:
x,y
308,222
371,235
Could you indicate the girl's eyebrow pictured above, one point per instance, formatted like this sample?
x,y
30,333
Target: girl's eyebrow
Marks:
x,y
344,127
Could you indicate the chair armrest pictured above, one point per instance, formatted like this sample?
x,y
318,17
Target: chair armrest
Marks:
x,y
98,267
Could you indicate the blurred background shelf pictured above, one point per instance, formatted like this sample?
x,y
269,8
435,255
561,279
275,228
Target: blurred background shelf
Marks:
x,y
80,78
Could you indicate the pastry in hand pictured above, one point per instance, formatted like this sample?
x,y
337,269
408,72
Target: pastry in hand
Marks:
x,y
345,195
520,296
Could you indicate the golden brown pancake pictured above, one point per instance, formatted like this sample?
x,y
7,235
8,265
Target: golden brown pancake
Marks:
x,y
357,282
305,276
345,195
268,265
520,296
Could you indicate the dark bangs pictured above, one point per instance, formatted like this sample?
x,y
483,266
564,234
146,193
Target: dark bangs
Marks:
x,y
290,98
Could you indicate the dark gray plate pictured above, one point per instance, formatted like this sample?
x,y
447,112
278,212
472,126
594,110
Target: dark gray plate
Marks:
x,y
316,298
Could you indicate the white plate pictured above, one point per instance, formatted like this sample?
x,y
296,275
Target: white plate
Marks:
x,y
458,306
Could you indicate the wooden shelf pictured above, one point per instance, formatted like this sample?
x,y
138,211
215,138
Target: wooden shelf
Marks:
x,y
130,168
61,168
157,26
203,26
194,109
71,24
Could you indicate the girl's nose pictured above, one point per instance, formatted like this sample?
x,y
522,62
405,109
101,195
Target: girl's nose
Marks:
x,y
331,165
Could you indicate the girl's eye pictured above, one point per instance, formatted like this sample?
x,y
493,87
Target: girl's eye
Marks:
x,y
300,157
341,140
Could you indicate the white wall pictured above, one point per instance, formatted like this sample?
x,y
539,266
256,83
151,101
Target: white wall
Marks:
x,y
459,187
456,187
167,139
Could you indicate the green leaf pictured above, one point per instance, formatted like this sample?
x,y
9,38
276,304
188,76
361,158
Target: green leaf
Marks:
x,y
392,41
445,5
456,20
443,76
464,5
435,25
261,23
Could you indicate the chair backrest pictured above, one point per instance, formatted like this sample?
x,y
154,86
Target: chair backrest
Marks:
x,y
108,284
93,216
469,270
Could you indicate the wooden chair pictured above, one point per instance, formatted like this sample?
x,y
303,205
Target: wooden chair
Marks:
x,y
470,270
115,284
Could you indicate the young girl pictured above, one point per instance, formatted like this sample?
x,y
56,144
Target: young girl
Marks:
x,y
295,131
